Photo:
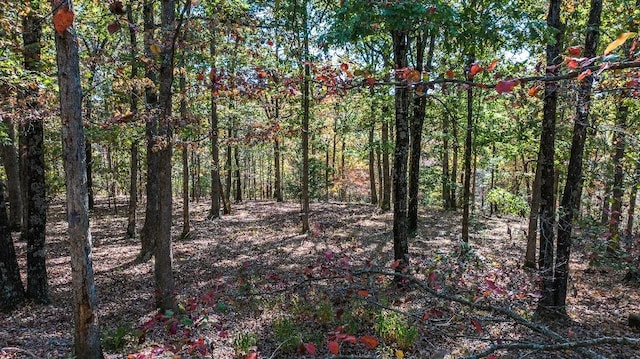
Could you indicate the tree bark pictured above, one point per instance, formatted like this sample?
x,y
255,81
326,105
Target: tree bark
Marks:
x,y
468,143
12,170
186,223
87,331
216,190
133,107
305,123
613,244
532,230
372,164
32,169
385,203
163,266
632,202
149,229
401,154
12,293
547,153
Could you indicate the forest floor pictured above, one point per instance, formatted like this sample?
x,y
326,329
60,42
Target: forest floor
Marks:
x,y
251,286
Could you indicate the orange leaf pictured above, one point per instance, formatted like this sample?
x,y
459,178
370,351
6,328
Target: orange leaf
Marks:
x,y
506,86
449,74
584,74
414,76
369,342
396,263
492,66
63,19
475,69
617,42
533,91
574,62
344,67
575,50
363,293
334,347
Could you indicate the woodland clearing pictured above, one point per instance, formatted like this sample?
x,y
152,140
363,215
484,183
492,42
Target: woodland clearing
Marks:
x,y
251,283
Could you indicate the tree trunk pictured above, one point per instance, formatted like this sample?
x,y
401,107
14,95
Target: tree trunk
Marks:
x,y
547,153
133,107
415,133
277,182
572,189
532,233
89,157
305,123
186,224
385,204
163,268
133,191
453,182
238,191
372,164
632,202
468,143
613,245
401,154
446,180
216,189
12,293
12,170
149,229
87,331
32,169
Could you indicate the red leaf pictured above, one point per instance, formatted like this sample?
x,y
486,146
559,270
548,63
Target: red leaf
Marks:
x,y
370,81
270,43
334,347
369,342
475,69
252,355
574,62
117,8
575,50
113,27
492,66
476,324
63,19
449,74
396,263
310,348
344,67
363,293
584,74
506,86
173,329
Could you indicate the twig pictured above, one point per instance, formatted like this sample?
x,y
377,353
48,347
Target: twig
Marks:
x,y
18,350
634,342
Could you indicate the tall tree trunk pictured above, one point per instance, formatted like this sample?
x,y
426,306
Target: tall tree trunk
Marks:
x,y
216,189
133,107
186,223
12,170
305,122
532,230
133,191
372,164
632,202
401,154
618,175
32,168
277,182
238,191
12,293
87,331
416,123
149,229
468,143
446,179
385,204
163,267
453,182
547,153
89,157
572,189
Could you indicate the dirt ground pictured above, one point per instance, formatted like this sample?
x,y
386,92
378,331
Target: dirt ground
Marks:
x,y
244,280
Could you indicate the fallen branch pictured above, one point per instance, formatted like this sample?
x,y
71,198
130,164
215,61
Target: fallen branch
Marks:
x,y
485,307
19,350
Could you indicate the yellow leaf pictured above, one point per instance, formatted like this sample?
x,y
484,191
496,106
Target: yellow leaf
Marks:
x,y
155,49
399,354
617,42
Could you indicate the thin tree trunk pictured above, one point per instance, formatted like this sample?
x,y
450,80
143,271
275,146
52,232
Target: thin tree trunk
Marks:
x,y
372,165
229,173
12,170
446,180
216,188
186,224
87,331
238,191
532,230
453,182
618,176
305,123
133,107
12,293
632,202
277,182
547,153
401,154
385,204
32,169
468,143
149,229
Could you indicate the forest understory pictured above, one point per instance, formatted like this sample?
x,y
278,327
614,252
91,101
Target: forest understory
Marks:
x,y
251,286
